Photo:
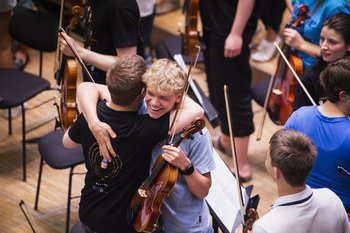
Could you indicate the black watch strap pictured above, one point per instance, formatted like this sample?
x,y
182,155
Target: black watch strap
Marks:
x,y
188,170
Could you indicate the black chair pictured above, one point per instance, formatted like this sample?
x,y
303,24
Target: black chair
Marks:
x,y
17,87
259,91
54,154
39,31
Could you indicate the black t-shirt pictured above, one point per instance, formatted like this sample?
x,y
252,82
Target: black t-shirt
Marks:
x,y
311,81
111,24
108,191
217,16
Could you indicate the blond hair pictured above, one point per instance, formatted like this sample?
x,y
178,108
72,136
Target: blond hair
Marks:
x,y
165,76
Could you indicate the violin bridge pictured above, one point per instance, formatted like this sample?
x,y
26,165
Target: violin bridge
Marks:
x,y
142,193
277,91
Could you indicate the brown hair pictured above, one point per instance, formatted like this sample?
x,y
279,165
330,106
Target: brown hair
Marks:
x,y
124,79
294,154
336,78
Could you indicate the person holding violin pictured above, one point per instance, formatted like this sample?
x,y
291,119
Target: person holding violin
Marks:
x,y
165,81
328,127
185,209
335,44
111,31
298,208
228,27
305,40
110,185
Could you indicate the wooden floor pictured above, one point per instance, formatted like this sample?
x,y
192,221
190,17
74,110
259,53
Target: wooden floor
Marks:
x,y
52,204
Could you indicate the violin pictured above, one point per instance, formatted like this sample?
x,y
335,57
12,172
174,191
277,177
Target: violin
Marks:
x,y
66,76
190,38
281,95
146,204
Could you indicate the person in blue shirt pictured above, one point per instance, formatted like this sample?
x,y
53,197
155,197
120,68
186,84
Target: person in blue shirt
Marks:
x,y
328,126
305,39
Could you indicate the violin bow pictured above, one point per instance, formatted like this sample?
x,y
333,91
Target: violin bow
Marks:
x,y
188,79
270,87
75,52
234,155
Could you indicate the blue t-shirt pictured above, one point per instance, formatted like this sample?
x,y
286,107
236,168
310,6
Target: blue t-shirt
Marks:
x,y
311,29
331,135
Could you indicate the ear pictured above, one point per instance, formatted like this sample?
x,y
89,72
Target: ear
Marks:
x,y
143,92
276,173
342,95
178,98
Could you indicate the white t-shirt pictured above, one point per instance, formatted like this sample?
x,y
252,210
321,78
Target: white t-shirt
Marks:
x,y
310,211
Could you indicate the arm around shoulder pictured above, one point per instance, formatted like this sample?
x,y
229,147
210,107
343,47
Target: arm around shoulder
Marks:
x,y
189,111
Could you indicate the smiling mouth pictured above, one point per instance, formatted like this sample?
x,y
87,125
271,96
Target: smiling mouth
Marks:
x,y
155,109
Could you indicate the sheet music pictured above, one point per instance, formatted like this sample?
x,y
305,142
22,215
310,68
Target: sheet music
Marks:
x,y
223,196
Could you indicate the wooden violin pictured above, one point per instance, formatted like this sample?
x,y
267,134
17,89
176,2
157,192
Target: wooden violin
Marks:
x,y
281,95
66,76
191,36
146,204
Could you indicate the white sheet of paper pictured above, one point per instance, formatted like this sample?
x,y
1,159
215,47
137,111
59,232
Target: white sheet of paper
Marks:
x,y
223,195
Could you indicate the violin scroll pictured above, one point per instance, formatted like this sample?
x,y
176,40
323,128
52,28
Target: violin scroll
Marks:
x,y
196,126
251,216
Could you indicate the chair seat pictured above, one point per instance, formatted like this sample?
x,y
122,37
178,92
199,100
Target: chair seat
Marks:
x,y
27,86
259,91
56,155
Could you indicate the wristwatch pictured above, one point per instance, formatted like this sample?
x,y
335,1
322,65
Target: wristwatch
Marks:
x,y
188,170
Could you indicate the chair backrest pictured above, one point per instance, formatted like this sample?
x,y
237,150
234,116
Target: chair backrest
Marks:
x,y
34,29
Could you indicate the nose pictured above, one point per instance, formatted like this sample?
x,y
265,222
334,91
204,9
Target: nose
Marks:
x,y
324,45
154,101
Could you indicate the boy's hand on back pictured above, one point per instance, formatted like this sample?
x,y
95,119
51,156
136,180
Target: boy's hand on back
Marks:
x,y
103,134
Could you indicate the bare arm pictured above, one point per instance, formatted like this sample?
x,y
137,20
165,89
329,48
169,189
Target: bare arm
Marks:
x,y
101,61
289,5
234,41
88,96
199,184
293,38
188,111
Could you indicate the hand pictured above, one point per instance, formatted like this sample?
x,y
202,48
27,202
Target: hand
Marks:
x,y
233,45
64,47
176,157
103,134
293,38
239,229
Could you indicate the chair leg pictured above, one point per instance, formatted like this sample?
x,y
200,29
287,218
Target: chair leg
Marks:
x,y
39,183
69,198
24,154
41,64
9,121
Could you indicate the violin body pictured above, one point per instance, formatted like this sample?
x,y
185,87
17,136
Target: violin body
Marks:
x,y
280,105
149,202
68,104
67,76
191,36
281,98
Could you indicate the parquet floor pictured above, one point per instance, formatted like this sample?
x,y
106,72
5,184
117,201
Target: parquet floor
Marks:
x,y
52,204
